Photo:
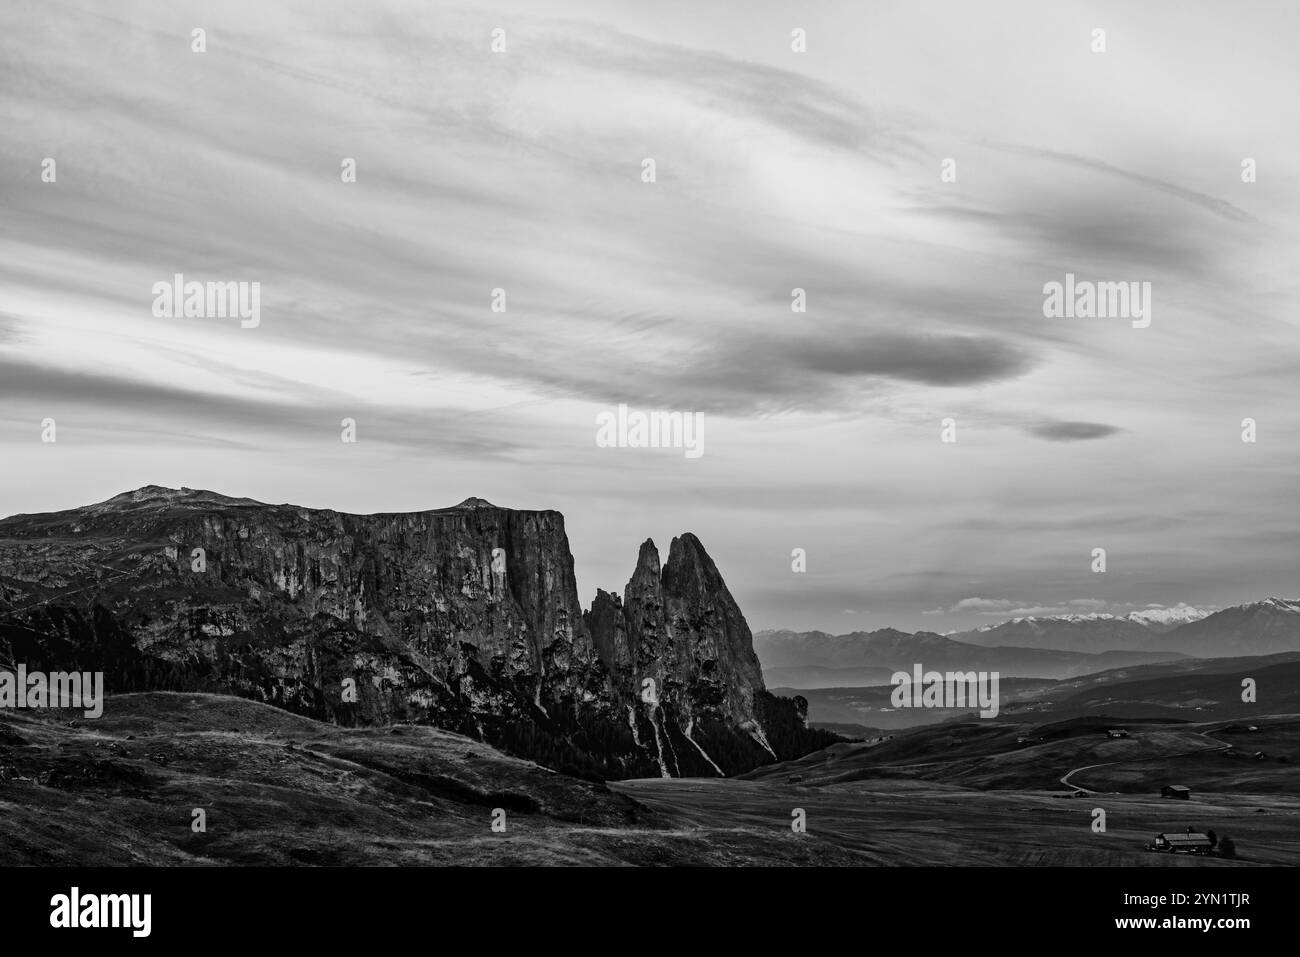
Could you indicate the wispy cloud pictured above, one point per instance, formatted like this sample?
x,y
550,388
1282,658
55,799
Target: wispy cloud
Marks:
x,y
1055,431
1213,204
776,171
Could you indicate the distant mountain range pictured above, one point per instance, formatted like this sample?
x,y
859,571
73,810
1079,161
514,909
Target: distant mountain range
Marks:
x,y
1034,647
1089,634
819,660
1267,627
1195,689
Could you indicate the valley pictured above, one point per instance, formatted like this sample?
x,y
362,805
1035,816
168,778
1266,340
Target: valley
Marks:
x,y
282,789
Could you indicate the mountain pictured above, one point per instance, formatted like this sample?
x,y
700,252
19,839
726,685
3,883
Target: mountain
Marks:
x,y
465,617
816,659
1059,646
817,676
1267,627
1159,618
1086,633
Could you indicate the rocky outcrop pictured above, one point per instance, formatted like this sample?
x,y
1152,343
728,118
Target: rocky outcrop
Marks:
x,y
682,638
465,617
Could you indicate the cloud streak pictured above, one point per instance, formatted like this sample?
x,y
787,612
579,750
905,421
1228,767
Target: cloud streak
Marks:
x,y
1054,431
1213,204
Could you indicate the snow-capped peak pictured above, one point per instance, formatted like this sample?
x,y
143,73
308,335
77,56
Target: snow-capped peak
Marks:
x,y
1277,604
1048,619
1155,615
1174,615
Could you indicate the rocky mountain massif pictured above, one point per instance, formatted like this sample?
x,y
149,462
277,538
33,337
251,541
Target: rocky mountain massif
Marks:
x,y
466,618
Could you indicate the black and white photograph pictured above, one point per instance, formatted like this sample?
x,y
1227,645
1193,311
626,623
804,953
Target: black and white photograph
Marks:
x,y
453,436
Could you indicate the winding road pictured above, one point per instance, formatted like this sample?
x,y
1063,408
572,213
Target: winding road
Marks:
x,y
1215,745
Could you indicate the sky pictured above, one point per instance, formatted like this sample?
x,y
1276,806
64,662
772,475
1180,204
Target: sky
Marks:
x,y
522,170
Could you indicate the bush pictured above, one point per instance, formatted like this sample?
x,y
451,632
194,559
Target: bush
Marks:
x,y
1227,847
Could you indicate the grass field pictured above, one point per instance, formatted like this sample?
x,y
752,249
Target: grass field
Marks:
x,y
281,789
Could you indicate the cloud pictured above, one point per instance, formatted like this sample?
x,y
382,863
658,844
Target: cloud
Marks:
x,y
522,171
983,605
1006,608
1220,207
759,372
104,404
1036,611
1058,431
8,328
930,359
791,101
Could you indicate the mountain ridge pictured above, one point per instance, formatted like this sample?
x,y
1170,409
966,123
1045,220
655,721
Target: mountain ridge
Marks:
x,y
794,659
1263,627
466,617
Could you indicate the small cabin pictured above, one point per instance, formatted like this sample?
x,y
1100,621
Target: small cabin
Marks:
x,y
1178,791
1117,733
1189,843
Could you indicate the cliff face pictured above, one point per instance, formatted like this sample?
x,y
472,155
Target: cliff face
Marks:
x,y
465,617
681,636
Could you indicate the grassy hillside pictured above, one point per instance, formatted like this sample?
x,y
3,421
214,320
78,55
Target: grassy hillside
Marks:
x,y
282,789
